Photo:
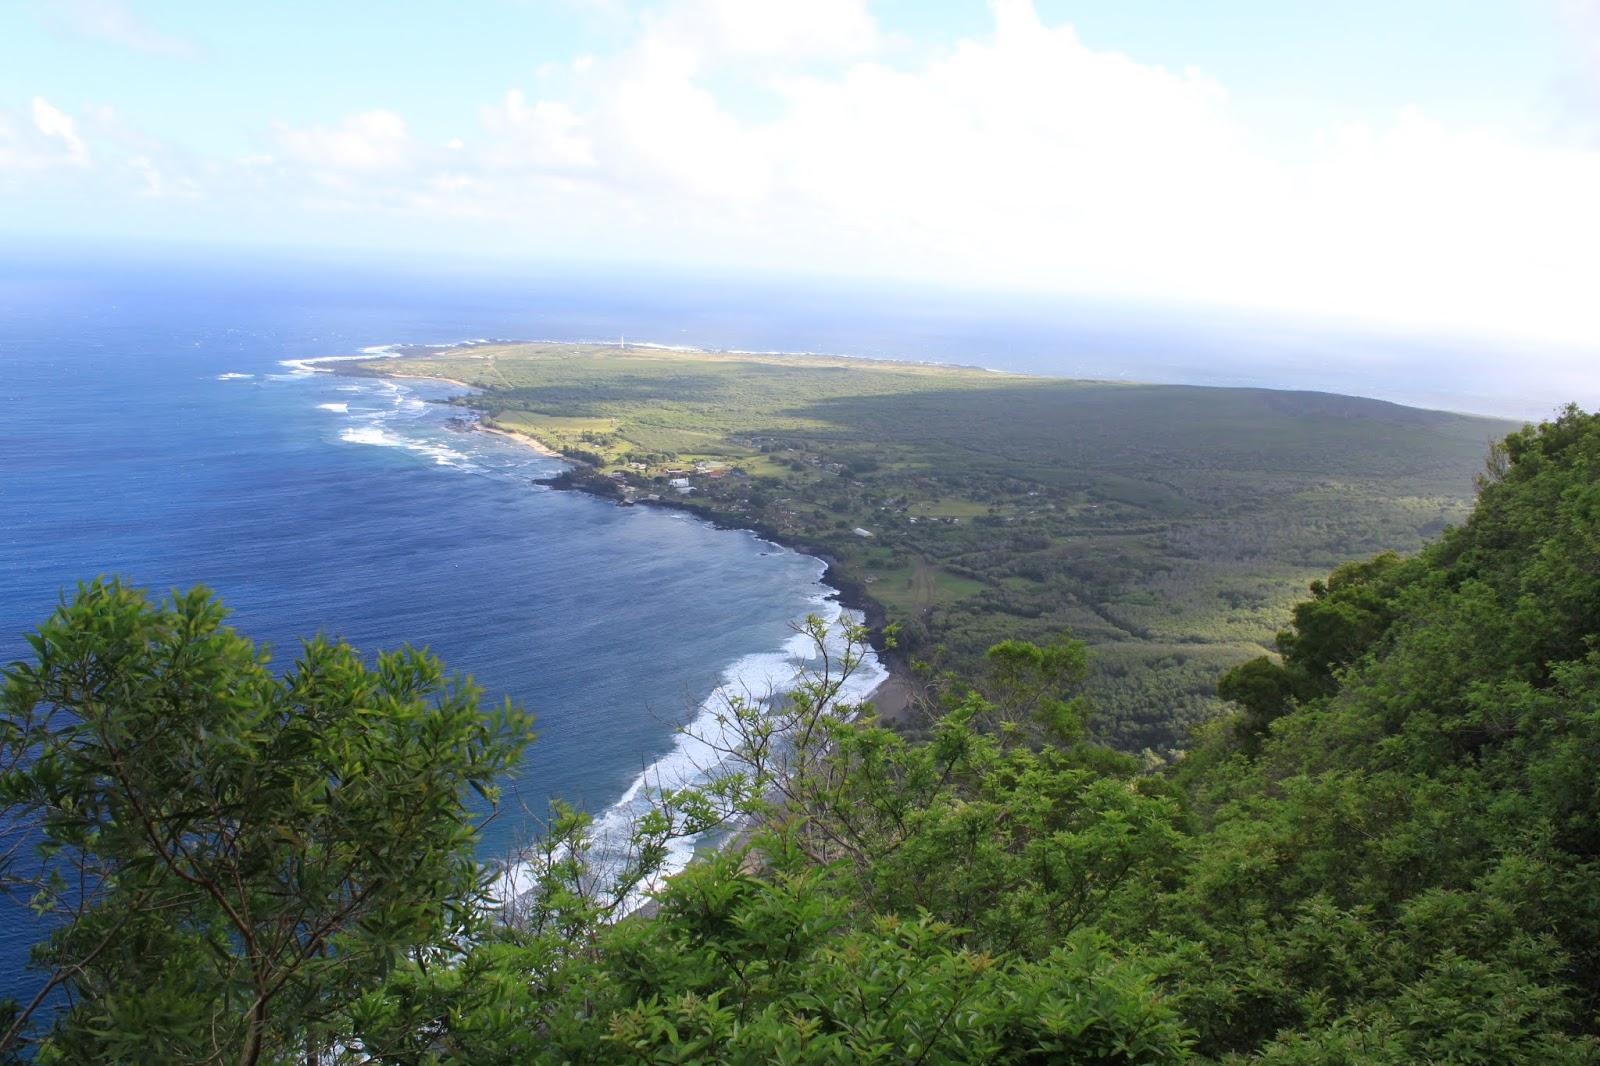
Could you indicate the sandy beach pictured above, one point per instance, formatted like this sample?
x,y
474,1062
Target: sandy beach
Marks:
x,y
524,439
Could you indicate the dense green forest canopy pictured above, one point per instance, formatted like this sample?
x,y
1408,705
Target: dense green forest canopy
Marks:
x,y
1388,851
1170,528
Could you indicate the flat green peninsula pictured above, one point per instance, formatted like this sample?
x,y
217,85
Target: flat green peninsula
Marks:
x,y
1171,527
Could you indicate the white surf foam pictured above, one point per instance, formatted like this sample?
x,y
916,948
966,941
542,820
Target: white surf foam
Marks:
x,y
379,437
306,367
336,408
234,375
695,753
371,435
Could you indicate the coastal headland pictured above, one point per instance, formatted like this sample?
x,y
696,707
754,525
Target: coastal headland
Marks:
x,y
1170,527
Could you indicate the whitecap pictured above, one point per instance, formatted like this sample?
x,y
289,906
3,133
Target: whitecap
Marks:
x,y
382,438
234,375
371,435
336,408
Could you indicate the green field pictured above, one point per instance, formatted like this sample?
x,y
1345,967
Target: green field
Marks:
x,y
1171,527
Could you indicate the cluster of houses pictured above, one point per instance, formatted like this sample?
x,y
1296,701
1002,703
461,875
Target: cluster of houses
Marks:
x,y
678,478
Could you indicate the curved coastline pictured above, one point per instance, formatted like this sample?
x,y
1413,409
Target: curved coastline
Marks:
x,y
881,682
890,698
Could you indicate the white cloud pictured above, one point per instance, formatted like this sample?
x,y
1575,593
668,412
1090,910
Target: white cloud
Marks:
x,y
1023,158
45,138
50,141
1030,158
664,132
57,124
1028,154
369,141
544,134
114,22
768,28
745,134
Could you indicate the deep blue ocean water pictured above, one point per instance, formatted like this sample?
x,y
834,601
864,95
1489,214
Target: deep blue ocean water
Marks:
x,y
151,428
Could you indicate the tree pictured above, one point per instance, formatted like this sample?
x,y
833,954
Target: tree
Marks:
x,y
1026,685
888,902
1264,689
232,856
1393,857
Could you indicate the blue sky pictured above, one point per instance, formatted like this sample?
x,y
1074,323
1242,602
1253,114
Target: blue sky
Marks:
x,y
1425,164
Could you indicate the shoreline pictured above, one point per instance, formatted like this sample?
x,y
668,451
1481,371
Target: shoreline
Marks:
x,y
423,377
527,440
891,698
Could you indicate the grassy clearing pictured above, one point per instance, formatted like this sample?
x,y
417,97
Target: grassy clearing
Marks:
x,y
947,507
915,587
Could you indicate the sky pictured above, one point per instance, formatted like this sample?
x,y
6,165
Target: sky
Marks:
x,y
1418,164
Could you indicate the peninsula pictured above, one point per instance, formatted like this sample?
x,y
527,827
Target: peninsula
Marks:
x,y
1170,527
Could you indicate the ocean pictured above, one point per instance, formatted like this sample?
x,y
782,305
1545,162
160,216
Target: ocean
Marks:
x,y
161,423
169,432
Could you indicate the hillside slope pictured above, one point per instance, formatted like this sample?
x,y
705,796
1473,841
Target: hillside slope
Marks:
x,y
1390,854
1387,853
1170,527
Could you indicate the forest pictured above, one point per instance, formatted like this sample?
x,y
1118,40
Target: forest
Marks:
x,y
1385,850
1170,528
